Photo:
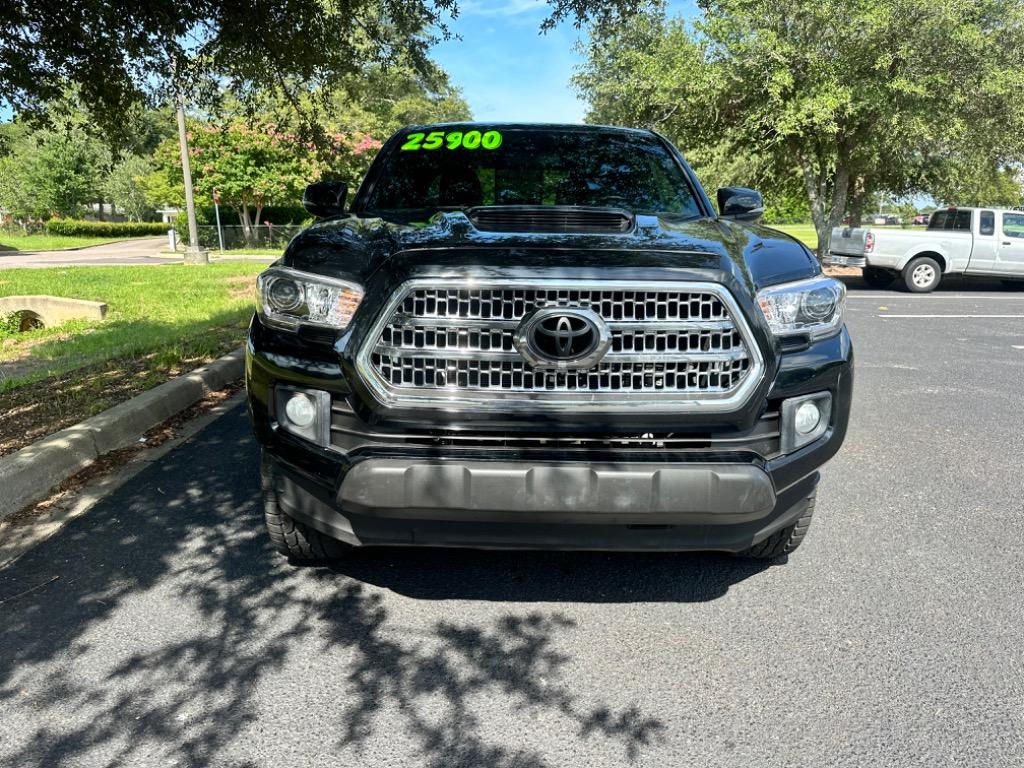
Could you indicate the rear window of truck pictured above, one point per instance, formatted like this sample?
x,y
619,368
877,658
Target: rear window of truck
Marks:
x,y
958,221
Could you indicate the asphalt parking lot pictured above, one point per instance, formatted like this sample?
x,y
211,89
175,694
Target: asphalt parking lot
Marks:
x,y
159,629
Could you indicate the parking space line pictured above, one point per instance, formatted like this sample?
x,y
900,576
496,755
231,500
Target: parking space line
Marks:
x,y
931,296
960,317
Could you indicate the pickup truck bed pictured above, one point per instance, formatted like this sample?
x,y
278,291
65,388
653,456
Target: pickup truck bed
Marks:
x,y
958,241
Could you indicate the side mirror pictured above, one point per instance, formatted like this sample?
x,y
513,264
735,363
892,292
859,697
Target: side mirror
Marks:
x,y
325,198
740,203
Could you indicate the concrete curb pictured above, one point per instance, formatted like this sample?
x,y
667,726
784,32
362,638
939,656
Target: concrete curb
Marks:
x,y
29,474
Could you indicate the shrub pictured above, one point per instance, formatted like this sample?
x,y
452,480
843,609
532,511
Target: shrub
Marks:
x,y
203,216
10,324
22,227
284,214
286,221
275,214
74,228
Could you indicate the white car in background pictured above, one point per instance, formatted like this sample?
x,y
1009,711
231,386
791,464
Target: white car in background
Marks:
x,y
958,241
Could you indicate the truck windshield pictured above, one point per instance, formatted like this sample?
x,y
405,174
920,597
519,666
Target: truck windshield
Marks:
x,y
951,219
456,168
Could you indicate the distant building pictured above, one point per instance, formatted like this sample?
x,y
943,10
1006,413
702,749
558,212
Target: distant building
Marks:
x,y
168,214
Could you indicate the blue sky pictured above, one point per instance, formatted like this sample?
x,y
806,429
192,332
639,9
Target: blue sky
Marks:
x,y
509,71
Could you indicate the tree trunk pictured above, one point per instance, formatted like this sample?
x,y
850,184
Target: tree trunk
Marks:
x,y
246,222
828,186
857,200
815,187
259,210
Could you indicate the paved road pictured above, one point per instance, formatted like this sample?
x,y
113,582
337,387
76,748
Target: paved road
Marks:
x,y
161,631
141,251
131,252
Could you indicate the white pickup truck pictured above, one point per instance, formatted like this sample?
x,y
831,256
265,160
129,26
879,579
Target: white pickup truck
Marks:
x,y
968,241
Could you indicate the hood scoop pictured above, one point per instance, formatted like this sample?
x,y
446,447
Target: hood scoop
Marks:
x,y
550,218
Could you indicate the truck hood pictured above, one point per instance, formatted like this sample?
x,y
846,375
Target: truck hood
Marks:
x,y
357,247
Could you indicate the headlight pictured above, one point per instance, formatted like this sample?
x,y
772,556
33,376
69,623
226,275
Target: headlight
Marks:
x,y
287,298
813,307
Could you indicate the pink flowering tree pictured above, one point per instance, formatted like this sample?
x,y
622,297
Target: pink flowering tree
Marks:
x,y
253,166
348,156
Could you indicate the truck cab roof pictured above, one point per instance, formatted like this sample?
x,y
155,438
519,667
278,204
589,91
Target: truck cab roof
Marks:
x,y
513,126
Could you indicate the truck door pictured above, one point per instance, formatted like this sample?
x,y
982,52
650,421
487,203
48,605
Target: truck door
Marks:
x,y
1010,257
986,243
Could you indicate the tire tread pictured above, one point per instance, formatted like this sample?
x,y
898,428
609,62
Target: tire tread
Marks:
x,y
785,541
289,536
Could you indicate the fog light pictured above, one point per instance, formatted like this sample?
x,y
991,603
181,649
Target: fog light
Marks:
x,y
804,419
807,417
300,410
305,413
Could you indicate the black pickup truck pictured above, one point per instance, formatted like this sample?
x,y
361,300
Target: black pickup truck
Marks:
x,y
543,336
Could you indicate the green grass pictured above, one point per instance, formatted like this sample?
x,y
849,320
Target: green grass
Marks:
x,y
161,321
169,313
9,242
802,232
806,233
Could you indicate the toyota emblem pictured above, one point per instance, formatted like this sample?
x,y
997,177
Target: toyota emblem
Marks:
x,y
557,337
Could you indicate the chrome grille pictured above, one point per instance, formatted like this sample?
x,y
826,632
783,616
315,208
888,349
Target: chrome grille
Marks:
x,y
471,303
671,343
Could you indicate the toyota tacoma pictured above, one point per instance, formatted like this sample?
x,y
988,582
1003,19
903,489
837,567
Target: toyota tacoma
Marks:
x,y
543,336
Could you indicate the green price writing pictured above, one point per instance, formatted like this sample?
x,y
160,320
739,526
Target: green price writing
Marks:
x,y
452,140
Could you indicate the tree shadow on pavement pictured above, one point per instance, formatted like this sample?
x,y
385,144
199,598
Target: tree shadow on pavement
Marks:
x,y
174,636
515,657
530,576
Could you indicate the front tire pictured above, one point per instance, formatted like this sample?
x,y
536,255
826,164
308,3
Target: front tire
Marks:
x,y
786,541
922,275
289,536
877,277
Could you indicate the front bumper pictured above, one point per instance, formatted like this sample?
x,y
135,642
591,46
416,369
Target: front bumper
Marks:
x,y
384,487
530,491
606,518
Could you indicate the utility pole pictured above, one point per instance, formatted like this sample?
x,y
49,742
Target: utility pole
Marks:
x,y
194,254
216,210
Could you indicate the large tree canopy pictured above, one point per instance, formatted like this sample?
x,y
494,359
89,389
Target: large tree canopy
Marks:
x,y
118,52
844,97
250,166
250,151
258,160
55,171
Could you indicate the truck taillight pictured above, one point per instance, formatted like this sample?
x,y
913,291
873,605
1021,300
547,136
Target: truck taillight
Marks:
x,y
869,242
